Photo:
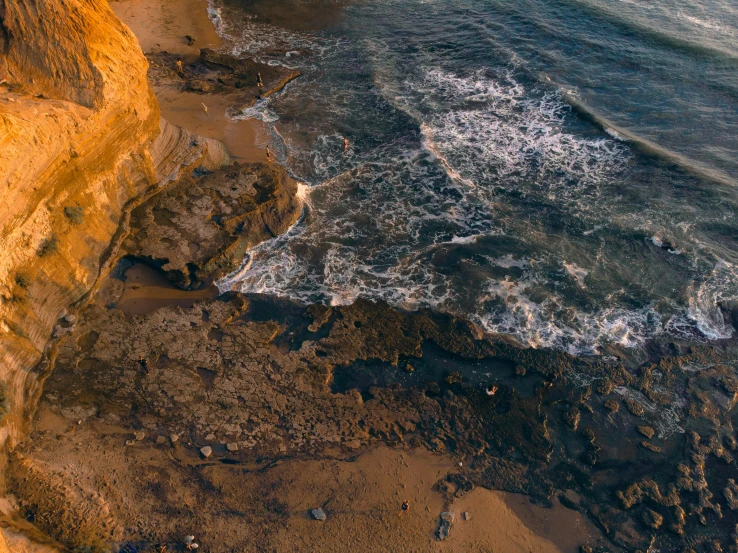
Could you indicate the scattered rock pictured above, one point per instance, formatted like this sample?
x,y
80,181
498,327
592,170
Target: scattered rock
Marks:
x,y
649,446
210,437
232,446
572,417
174,438
520,370
318,514
139,435
612,405
634,407
160,440
647,431
206,451
444,528
466,515
652,519
409,368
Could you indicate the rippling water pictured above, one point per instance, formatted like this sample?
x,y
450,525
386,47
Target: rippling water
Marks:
x,y
563,171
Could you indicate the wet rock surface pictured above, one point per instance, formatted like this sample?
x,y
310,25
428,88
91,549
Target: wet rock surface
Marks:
x,y
199,229
245,81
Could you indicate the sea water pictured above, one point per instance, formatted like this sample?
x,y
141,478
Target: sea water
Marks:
x,y
563,171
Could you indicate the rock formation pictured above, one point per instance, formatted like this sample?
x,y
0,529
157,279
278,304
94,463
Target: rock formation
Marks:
x,y
80,140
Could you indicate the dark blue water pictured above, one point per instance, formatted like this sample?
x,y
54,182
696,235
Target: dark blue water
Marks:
x,y
563,171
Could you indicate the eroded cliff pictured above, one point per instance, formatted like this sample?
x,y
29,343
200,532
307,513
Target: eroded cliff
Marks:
x,y
81,139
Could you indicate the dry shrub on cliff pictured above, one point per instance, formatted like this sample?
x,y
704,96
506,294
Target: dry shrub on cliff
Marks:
x,y
75,214
3,400
48,246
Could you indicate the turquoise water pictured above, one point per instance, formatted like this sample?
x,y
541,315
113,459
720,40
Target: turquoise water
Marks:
x,y
561,171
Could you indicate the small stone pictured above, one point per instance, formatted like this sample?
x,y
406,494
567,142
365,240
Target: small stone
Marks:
x,y
318,514
612,405
520,370
649,446
647,431
130,442
466,515
206,451
232,446
174,438
210,437
140,435
409,368
444,528
634,407
160,440
572,417
653,519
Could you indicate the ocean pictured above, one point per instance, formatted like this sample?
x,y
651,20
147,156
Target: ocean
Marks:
x,y
562,171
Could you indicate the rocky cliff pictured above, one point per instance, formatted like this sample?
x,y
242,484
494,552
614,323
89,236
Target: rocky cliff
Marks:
x,y
81,140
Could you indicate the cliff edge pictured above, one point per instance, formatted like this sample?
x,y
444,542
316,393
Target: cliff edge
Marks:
x,y
81,140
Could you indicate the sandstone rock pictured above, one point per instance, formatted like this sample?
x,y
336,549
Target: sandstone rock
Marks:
x,y
160,440
647,431
232,446
612,405
634,407
173,438
206,451
652,519
444,527
572,417
139,435
318,514
199,230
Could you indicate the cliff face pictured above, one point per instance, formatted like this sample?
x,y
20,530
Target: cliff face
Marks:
x,y
80,139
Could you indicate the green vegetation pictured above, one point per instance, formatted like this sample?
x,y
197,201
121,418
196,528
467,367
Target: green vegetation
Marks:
x,y
48,246
75,214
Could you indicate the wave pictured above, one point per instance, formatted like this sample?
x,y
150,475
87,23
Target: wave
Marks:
x,y
645,146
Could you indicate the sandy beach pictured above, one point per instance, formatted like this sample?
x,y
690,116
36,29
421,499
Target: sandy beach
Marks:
x,y
164,26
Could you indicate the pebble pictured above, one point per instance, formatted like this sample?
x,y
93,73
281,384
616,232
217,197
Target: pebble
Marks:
x,y
210,437
206,451
318,514
140,435
232,446
160,440
174,438
466,515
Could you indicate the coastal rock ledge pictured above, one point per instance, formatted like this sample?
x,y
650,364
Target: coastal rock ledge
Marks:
x,y
81,142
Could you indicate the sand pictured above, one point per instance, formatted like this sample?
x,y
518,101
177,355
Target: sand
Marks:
x,y
164,25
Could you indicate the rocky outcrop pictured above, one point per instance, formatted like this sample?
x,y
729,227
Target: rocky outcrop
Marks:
x,y
199,230
80,139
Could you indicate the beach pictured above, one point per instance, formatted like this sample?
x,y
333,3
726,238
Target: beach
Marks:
x,y
164,27
362,495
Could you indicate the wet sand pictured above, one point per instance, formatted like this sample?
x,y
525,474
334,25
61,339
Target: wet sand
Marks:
x,y
164,25
146,290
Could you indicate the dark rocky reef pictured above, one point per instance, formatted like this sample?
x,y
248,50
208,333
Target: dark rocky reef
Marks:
x,y
199,229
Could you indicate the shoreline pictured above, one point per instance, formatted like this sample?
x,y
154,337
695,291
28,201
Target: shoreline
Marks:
x,y
164,27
